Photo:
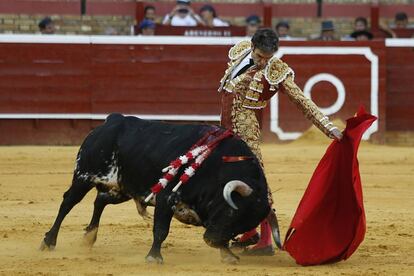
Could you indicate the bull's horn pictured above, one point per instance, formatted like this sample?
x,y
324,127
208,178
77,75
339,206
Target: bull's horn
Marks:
x,y
235,185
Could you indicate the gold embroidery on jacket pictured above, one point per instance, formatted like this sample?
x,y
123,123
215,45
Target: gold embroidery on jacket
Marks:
x,y
230,84
308,108
236,55
256,86
252,95
254,104
246,126
258,75
276,71
238,50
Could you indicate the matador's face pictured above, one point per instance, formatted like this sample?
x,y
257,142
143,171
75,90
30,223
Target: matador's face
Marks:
x,y
260,57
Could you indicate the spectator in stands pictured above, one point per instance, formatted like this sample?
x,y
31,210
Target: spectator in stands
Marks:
x,y
146,27
401,20
253,23
182,15
209,17
46,26
327,31
361,30
282,29
360,24
149,13
362,35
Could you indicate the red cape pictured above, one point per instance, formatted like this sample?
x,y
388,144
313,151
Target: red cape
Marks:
x,y
329,223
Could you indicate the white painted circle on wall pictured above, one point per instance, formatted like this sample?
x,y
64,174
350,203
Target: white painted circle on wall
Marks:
x,y
340,89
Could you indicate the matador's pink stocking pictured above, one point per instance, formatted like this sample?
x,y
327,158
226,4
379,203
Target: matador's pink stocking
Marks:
x,y
265,235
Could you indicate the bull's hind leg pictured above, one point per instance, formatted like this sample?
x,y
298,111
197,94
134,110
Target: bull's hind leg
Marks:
x,y
102,199
71,197
228,257
162,220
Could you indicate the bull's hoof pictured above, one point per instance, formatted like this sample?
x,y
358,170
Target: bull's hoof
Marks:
x,y
44,246
228,257
90,236
154,260
230,260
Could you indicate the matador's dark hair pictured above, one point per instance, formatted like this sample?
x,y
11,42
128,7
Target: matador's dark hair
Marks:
x,y
266,40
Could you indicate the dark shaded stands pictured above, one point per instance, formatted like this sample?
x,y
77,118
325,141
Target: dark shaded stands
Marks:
x,y
270,12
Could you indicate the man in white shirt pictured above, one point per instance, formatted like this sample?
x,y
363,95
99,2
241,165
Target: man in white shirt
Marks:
x,y
210,18
182,15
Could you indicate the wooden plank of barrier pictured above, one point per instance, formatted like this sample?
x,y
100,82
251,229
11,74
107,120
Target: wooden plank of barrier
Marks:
x,y
155,77
400,96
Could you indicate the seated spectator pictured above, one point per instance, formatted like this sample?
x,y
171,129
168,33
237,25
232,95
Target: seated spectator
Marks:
x,y
253,23
401,20
361,30
362,35
182,15
146,27
361,24
209,17
282,29
327,31
46,26
149,13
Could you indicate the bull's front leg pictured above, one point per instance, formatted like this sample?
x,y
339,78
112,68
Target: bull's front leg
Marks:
x,y
162,220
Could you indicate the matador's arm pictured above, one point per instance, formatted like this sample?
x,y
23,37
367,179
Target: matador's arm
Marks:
x,y
309,109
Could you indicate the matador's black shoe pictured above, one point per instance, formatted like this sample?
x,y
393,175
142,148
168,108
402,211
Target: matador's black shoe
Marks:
x,y
241,244
262,251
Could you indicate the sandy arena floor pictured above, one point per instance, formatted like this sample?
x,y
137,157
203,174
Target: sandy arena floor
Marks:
x,y
33,180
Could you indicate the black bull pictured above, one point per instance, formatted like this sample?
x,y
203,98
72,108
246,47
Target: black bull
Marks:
x,y
123,159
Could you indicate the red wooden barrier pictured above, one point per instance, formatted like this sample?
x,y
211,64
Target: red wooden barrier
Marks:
x,y
400,92
156,79
176,79
339,77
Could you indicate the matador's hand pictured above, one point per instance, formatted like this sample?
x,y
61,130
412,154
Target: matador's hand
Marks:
x,y
336,134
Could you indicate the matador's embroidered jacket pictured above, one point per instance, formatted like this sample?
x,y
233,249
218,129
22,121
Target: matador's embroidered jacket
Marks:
x,y
249,92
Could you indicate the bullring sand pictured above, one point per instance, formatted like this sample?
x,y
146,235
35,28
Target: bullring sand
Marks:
x,y
33,180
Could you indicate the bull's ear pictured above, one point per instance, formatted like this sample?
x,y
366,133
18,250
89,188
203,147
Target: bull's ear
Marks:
x,y
235,186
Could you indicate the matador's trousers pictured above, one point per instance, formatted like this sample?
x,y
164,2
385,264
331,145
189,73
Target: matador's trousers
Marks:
x,y
244,123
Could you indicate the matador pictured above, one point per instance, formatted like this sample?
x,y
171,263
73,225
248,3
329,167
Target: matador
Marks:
x,y
253,76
